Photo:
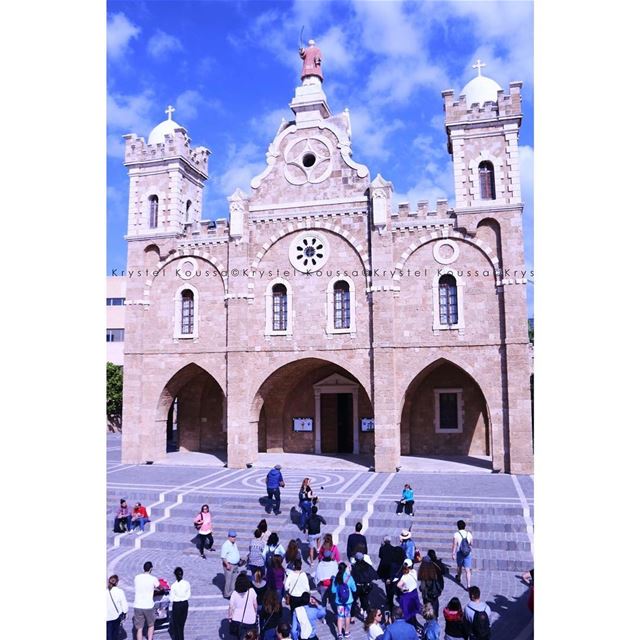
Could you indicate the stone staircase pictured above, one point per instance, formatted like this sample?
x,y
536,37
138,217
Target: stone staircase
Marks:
x,y
501,540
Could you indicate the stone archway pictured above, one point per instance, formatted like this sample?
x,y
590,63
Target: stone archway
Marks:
x,y
445,413
319,390
193,412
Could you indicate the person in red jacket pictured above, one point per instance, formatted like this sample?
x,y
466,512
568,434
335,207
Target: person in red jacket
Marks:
x,y
139,517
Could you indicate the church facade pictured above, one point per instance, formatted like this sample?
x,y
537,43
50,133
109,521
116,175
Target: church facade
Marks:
x,y
318,318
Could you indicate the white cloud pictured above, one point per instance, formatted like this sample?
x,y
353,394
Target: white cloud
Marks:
x,y
387,29
120,31
161,44
129,114
434,183
334,47
244,163
187,104
370,132
267,124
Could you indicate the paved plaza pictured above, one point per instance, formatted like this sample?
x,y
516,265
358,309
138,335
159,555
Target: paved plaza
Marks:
x,y
498,510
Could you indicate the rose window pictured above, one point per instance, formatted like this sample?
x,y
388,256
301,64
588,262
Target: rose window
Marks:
x,y
307,160
308,252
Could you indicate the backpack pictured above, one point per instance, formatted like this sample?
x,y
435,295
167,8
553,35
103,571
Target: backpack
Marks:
x,y
342,593
464,548
480,626
432,589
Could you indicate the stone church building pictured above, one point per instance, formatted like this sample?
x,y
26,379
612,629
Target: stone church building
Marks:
x,y
318,318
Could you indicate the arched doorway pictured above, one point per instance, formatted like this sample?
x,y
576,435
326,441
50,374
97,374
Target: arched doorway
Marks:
x,y
444,414
313,406
192,406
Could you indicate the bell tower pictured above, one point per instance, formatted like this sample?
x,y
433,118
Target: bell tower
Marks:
x,y
166,180
482,137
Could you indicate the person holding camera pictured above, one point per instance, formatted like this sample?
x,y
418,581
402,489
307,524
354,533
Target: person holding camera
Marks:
x,y
117,608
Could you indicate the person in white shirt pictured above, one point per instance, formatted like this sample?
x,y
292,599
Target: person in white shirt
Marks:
x,y
462,553
296,586
230,555
179,597
117,608
143,604
373,624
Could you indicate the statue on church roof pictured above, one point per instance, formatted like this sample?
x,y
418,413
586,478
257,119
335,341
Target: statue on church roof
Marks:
x,y
311,60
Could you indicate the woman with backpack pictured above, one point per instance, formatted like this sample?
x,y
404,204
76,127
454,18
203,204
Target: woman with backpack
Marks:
x,y
343,589
363,575
431,581
409,599
454,625
272,548
202,522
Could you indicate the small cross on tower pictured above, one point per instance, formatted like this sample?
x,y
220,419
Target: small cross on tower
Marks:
x,y
169,110
478,65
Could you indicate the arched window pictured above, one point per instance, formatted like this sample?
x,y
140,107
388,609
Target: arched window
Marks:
x,y
487,181
448,300
341,305
187,211
279,297
153,212
187,313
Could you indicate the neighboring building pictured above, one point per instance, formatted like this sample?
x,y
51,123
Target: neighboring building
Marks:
x,y
317,318
116,294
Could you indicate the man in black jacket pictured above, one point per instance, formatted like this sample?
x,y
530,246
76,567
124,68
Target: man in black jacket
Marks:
x,y
391,559
363,575
356,542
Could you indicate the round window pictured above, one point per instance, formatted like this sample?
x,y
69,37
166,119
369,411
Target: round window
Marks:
x,y
308,160
308,251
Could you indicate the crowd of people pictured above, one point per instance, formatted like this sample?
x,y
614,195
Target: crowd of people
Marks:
x,y
273,596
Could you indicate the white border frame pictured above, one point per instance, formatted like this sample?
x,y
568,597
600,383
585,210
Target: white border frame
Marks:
x,y
436,412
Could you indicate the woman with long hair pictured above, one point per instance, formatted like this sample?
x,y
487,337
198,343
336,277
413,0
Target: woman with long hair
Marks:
x,y
264,529
374,624
117,608
270,615
305,501
454,627
179,596
259,585
292,554
203,524
431,581
276,575
272,548
327,545
243,607
343,589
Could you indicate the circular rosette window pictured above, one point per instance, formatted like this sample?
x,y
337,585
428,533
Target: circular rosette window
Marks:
x,y
309,251
307,160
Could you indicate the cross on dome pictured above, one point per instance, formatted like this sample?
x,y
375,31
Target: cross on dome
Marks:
x,y
169,110
478,65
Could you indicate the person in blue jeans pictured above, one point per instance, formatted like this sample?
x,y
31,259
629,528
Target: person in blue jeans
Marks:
x,y
274,482
406,501
305,497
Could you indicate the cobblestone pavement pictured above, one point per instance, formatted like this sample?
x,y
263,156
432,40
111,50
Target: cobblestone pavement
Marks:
x,y
498,509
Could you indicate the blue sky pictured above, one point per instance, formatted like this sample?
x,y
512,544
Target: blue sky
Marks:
x,y
230,70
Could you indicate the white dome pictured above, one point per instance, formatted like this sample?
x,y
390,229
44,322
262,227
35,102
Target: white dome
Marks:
x,y
158,133
481,89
